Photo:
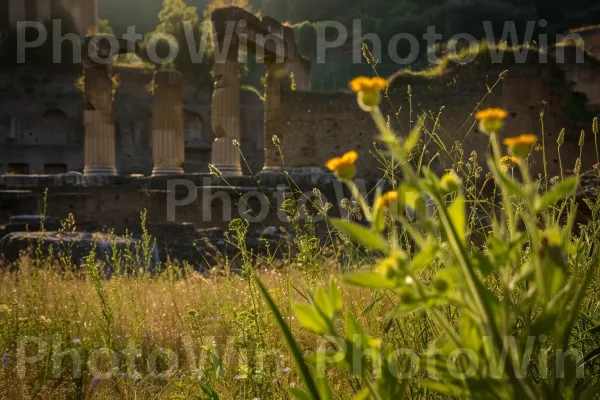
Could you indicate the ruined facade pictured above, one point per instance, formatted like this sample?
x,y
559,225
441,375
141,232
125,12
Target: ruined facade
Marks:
x,y
156,125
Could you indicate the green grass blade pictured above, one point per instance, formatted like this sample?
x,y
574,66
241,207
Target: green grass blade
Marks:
x,y
291,343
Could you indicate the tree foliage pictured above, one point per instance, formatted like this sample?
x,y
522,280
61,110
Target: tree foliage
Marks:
x,y
181,22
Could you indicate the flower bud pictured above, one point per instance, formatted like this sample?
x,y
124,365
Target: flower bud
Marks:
x,y
561,137
369,99
450,182
520,146
440,285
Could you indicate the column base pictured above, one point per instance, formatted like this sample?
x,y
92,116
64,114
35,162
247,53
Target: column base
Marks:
x,y
162,171
100,171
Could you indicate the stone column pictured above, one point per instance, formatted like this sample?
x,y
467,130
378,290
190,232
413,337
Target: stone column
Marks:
x,y
44,10
99,142
89,16
226,114
168,147
16,11
273,85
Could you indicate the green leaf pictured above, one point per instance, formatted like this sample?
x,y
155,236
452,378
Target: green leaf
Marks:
x,y
378,213
545,323
310,319
353,328
590,392
412,198
360,234
371,280
301,366
555,268
410,302
452,389
211,394
560,190
323,303
335,295
324,389
392,382
425,257
379,219
412,139
483,263
299,394
505,181
364,394
450,275
469,333
458,216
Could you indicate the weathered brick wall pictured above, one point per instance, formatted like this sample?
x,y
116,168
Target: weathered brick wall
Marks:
x,y
319,126
526,90
585,78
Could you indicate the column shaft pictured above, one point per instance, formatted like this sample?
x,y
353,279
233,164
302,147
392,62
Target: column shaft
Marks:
x,y
16,11
273,81
89,16
226,115
99,142
99,146
44,10
168,147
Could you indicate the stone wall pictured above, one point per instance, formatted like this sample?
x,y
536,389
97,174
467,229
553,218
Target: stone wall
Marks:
x,y
525,91
115,202
319,126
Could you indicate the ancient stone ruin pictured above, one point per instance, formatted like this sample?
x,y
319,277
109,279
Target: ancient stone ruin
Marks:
x,y
126,149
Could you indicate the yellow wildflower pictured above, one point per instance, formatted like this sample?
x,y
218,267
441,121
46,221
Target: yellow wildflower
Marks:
x,y
368,91
520,146
491,119
386,200
363,84
391,267
491,113
450,182
343,167
507,162
374,343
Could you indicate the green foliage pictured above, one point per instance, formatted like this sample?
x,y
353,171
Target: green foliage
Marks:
x,y
306,38
173,18
104,27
